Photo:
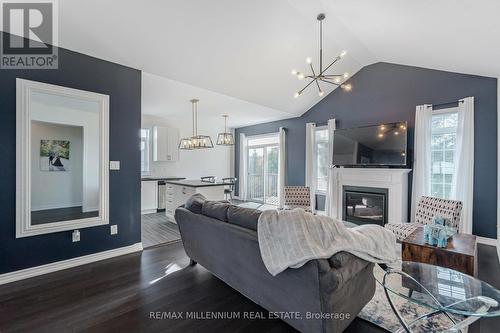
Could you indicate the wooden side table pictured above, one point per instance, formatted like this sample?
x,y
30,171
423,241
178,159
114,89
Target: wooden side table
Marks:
x,y
460,253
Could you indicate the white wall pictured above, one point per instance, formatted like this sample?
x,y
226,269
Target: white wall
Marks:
x,y
59,189
195,163
498,167
88,118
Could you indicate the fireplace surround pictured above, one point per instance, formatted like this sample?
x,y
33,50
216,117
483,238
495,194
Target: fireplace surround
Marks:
x,y
394,180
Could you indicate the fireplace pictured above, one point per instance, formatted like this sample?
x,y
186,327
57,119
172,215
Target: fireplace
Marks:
x,y
365,205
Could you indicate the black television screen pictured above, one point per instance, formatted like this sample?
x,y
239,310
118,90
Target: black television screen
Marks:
x,y
380,145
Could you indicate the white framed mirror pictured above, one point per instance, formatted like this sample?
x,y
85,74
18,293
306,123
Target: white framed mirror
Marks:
x,y
62,158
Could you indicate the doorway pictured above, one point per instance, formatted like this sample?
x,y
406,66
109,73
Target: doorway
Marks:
x,y
263,169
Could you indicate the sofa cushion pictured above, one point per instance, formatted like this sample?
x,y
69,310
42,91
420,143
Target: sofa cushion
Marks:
x,y
244,217
216,209
195,203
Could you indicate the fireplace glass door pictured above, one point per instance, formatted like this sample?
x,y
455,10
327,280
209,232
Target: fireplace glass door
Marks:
x,y
365,205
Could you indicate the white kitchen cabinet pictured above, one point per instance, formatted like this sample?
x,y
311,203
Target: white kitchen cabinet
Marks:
x,y
177,195
165,144
149,196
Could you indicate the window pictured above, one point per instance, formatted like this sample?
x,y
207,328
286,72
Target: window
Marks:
x,y
321,159
443,144
144,150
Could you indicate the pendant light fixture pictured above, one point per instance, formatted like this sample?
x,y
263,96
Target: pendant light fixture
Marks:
x,y
321,76
197,141
226,138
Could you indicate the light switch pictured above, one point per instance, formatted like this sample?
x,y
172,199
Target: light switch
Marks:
x,y
114,165
114,229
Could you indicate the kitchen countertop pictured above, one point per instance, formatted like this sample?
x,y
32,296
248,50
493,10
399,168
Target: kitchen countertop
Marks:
x,y
195,183
146,178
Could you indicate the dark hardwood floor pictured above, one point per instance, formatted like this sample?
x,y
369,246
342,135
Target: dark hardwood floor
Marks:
x,y
120,295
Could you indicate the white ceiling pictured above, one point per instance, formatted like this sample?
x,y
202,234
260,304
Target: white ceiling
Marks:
x,y
246,49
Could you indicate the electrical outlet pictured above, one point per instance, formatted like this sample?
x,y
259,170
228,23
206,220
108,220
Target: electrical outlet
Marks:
x,y
76,236
114,165
114,229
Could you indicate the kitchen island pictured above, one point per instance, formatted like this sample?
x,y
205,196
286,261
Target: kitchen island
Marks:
x,y
178,191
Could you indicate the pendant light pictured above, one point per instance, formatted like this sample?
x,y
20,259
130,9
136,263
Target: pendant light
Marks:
x,y
226,138
197,141
320,75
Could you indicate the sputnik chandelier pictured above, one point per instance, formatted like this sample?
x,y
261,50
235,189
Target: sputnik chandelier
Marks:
x,y
321,76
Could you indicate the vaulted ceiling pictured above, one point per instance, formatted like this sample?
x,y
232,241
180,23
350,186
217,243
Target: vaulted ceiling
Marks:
x,y
244,50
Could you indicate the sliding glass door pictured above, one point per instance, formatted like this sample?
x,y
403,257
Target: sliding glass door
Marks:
x,y
262,184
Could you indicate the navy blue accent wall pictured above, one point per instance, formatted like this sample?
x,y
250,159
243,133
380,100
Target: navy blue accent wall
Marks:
x,y
385,92
123,85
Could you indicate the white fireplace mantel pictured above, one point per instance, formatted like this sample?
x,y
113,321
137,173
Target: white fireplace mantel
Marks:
x,y
394,180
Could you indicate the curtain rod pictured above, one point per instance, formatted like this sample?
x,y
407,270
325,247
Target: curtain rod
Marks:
x,y
442,105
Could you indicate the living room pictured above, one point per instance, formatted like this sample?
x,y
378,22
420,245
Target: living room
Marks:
x,y
319,166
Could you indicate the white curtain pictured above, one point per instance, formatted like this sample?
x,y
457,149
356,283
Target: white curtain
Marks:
x,y
243,167
330,189
282,167
463,179
422,156
311,162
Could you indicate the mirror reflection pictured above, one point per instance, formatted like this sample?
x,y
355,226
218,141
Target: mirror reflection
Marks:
x,y
65,158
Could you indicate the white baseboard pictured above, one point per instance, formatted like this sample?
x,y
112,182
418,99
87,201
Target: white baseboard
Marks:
x,y
64,264
149,211
487,241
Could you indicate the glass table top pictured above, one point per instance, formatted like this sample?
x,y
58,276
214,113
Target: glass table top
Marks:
x,y
441,289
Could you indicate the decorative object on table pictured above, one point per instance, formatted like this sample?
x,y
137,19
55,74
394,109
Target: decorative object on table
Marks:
x,y
321,76
208,179
226,138
460,253
197,141
54,155
438,232
427,208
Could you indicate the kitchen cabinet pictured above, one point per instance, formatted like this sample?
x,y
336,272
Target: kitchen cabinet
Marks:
x,y
165,144
149,196
178,192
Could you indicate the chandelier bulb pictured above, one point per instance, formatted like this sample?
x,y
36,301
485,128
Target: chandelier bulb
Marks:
x,y
294,72
346,75
346,87
300,76
308,60
321,93
337,80
343,53
296,95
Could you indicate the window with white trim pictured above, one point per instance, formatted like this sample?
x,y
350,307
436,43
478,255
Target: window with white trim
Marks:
x,y
443,145
145,150
321,159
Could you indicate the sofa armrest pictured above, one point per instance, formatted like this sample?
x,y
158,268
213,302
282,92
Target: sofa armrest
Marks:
x,y
339,269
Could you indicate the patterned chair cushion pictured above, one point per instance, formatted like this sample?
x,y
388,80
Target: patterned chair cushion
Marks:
x,y
297,197
402,230
427,208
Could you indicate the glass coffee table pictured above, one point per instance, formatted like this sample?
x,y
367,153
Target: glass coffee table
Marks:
x,y
441,290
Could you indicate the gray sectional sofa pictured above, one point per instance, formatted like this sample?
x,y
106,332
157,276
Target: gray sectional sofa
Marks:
x,y
324,295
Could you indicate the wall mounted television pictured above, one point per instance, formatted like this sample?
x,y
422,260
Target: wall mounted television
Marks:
x,y
376,146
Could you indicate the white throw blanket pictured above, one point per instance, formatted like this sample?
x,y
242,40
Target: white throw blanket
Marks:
x,y
290,238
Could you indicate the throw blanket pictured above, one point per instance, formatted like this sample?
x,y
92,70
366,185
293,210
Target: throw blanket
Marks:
x,y
290,238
